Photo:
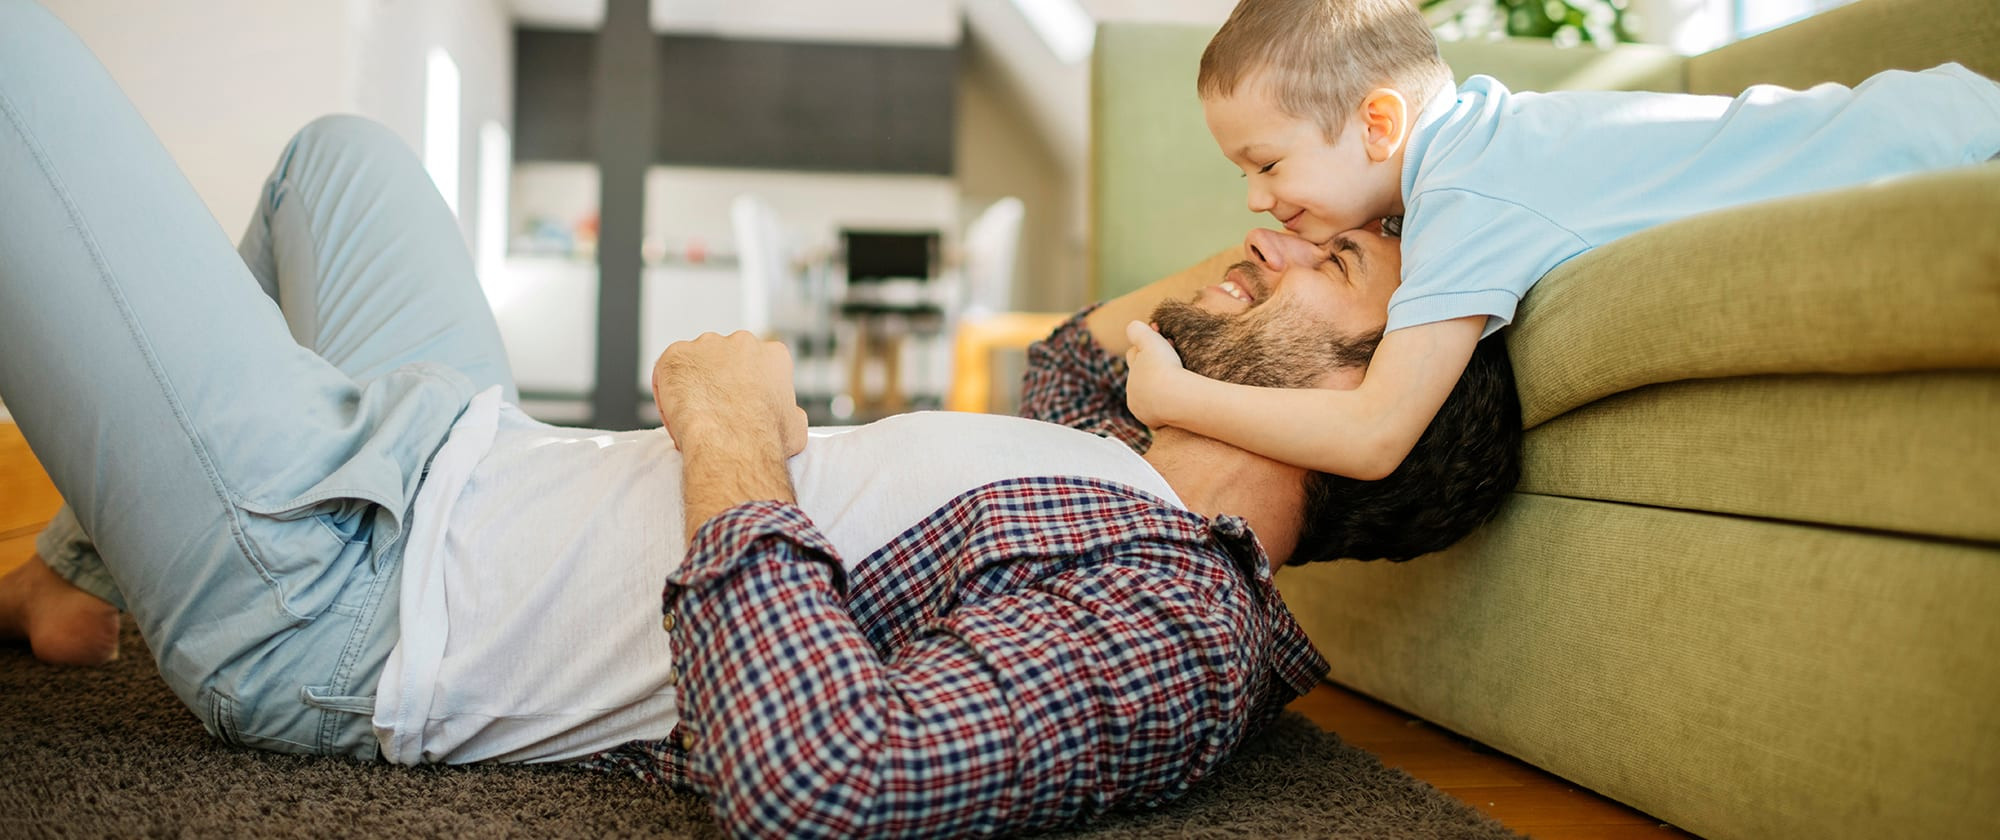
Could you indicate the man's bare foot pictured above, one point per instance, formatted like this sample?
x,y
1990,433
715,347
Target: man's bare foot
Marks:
x,y
63,624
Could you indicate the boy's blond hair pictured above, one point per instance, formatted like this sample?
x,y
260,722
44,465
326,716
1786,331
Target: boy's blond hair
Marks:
x,y
1317,58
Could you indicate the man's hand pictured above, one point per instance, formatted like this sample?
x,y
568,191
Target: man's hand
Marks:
x,y
728,403
733,390
1156,381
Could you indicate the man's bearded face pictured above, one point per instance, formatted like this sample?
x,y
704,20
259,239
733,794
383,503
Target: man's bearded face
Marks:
x,y
1270,345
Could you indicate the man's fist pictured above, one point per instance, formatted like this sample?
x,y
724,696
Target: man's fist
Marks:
x,y
733,390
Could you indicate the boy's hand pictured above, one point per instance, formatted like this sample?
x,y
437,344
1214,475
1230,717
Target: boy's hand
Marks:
x,y
1155,379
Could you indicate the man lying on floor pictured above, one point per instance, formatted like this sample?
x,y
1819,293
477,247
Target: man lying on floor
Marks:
x,y
298,465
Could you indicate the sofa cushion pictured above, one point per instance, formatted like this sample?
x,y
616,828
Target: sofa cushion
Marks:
x,y
1913,453
1899,275
1736,677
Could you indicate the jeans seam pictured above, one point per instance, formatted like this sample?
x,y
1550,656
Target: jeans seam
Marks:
x,y
275,194
363,625
223,710
320,520
88,238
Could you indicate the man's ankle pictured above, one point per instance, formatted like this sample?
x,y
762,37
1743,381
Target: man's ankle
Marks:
x,y
63,624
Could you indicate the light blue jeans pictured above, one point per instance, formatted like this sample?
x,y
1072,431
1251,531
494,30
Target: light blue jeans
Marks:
x,y
240,432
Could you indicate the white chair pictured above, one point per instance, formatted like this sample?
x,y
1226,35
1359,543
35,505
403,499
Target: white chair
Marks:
x,y
762,258
986,323
991,244
781,300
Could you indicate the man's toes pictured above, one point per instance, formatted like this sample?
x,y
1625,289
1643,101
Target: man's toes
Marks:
x,y
78,633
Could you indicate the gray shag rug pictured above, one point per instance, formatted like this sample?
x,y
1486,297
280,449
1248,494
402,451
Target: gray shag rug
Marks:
x,y
109,752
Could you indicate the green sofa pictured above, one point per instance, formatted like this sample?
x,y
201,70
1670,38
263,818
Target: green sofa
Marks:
x,y
1750,580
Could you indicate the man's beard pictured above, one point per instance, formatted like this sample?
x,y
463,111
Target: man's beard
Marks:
x,y
1266,346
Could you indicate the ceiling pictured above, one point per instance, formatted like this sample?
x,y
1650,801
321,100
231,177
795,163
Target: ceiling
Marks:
x,y
875,21
1054,92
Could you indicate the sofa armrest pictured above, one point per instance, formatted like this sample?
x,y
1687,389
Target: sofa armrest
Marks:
x,y
1895,276
1851,43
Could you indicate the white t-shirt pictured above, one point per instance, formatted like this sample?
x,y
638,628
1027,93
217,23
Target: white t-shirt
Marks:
x,y
531,585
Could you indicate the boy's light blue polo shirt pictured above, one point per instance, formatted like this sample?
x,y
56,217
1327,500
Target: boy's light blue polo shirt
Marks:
x,y
1500,187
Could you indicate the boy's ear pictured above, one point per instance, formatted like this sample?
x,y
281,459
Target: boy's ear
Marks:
x,y
1385,123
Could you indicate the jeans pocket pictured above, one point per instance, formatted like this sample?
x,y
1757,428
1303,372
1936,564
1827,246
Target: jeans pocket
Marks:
x,y
309,554
347,520
323,697
269,728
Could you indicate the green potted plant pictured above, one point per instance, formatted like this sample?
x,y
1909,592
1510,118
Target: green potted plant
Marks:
x,y
1564,22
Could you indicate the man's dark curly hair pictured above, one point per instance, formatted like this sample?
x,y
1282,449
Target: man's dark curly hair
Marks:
x,y
1452,481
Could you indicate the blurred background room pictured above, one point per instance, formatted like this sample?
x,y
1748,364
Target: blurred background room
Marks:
x,y
899,189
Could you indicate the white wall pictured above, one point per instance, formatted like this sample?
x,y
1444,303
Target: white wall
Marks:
x,y
546,304
392,40
692,203
1688,26
924,22
1001,154
224,83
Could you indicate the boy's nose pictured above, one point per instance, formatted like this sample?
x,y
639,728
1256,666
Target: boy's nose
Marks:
x,y
1260,200
1275,250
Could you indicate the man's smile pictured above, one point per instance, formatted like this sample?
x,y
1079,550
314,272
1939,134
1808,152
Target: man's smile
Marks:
x,y
1243,282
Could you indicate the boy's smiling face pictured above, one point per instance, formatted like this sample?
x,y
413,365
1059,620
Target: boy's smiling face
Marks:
x,y
1313,187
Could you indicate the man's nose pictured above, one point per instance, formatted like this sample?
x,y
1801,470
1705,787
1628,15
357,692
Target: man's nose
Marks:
x,y
1275,250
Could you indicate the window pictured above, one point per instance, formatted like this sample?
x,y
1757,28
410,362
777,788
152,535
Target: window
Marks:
x,y
1754,16
441,116
495,165
1063,25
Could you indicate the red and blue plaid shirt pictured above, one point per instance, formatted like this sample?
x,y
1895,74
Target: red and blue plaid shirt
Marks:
x,y
1035,652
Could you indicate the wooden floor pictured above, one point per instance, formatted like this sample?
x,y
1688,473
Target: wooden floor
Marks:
x,y
1521,796
27,500
1518,795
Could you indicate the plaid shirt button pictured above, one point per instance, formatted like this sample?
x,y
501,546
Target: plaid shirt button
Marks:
x,y
667,622
687,739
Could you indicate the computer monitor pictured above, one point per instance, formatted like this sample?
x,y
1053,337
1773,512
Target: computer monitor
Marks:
x,y
874,255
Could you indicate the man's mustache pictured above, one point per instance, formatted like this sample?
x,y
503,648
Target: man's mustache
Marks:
x,y
1253,280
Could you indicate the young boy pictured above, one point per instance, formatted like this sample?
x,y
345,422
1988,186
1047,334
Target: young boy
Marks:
x,y
1340,112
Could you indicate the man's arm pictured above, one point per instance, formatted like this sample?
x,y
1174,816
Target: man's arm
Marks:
x,y
1103,685
1076,376
728,403
1090,677
1107,322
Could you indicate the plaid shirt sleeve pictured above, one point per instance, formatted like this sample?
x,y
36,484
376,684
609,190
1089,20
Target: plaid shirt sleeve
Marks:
x,y
1106,678
1072,381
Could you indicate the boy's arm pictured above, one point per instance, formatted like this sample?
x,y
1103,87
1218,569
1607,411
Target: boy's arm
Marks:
x,y
1076,376
1362,433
